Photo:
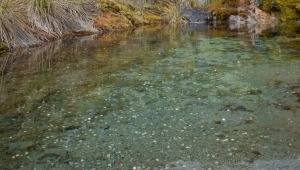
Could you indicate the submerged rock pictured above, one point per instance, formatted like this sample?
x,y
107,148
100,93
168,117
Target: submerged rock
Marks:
x,y
240,108
21,146
54,155
104,126
254,92
72,127
237,108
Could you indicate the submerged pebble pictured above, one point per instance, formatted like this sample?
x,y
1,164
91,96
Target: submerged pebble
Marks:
x,y
254,92
104,126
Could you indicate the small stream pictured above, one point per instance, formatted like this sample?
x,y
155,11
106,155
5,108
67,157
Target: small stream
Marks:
x,y
196,97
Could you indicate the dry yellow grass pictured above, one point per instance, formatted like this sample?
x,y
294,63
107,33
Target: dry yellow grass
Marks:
x,y
25,23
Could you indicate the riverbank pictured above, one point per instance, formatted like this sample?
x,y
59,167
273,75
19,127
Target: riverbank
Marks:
x,y
36,22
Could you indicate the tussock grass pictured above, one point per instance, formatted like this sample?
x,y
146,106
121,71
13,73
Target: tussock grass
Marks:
x,y
56,17
15,28
25,23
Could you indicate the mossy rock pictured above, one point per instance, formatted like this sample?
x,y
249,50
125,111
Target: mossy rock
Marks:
x,y
133,14
113,6
112,21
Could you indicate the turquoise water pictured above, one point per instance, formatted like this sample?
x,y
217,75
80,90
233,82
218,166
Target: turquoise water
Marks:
x,y
154,98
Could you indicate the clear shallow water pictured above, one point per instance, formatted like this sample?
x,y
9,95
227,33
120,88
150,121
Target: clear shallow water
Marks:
x,y
154,98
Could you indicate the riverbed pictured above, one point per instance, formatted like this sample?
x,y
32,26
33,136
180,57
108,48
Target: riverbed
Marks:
x,y
192,97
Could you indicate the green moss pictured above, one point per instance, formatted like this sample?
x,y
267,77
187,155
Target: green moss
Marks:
x,y
288,14
136,13
285,9
112,21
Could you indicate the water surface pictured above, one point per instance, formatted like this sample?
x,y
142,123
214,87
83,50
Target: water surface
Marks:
x,y
154,98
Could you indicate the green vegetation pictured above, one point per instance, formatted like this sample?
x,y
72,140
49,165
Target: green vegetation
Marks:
x,y
25,23
118,15
286,10
223,9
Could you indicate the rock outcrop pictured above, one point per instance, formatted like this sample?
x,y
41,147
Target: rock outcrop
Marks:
x,y
264,18
255,18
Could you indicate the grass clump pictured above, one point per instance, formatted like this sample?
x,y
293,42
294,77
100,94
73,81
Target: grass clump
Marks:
x,y
56,17
16,29
25,23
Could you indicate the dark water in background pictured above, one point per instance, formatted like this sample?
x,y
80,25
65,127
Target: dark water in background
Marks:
x,y
154,98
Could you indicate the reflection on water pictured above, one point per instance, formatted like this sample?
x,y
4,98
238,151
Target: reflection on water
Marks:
x,y
195,97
